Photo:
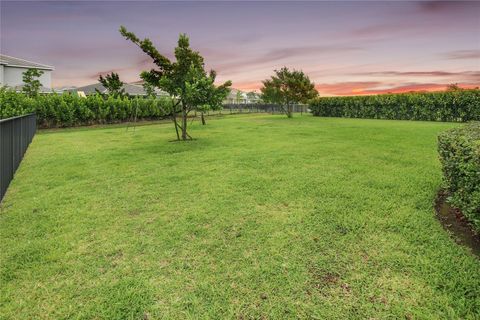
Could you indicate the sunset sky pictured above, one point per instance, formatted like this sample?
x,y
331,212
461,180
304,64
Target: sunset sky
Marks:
x,y
346,47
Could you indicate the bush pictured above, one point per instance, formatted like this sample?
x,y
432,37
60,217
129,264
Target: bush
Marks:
x,y
459,105
459,151
65,110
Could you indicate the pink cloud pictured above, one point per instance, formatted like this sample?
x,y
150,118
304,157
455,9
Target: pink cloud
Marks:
x,y
463,54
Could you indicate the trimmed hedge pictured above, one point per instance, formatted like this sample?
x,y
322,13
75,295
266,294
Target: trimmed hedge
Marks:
x,y
459,105
65,110
459,151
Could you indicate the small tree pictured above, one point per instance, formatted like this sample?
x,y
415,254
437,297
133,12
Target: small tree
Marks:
x,y
211,97
113,84
453,87
149,90
253,97
239,97
31,85
287,88
185,80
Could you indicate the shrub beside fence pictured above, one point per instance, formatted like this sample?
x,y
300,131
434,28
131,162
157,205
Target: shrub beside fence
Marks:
x,y
459,151
460,105
15,135
65,110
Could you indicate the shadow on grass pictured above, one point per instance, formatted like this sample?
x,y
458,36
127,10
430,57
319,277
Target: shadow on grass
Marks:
x,y
454,221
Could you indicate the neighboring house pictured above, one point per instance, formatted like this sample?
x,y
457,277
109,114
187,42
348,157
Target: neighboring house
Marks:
x,y
130,89
239,97
157,91
254,97
236,96
12,69
65,89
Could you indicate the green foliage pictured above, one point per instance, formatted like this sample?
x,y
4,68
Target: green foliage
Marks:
x,y
287,88
185,79
454,105
113,84
201,92
459,151
67,110
14,104
149,89
254,97
31,85
239,97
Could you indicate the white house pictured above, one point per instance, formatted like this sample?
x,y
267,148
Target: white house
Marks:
x,y
239,97
12,69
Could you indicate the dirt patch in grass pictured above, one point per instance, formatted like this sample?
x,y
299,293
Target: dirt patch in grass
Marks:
x,y
322,280
454,221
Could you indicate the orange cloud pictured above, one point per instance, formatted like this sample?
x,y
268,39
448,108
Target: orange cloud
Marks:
x,y
370,88
345,88
429,87
248,85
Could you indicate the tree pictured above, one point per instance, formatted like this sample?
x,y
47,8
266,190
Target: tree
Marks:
x,y
287,88
211,97
113,84
149,90
239,96
31,85
185,79
453,87
253,97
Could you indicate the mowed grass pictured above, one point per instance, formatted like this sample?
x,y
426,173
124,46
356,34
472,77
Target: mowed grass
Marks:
x,y
260,217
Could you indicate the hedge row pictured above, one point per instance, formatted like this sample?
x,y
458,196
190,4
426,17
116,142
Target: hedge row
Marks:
x,y
459,151
54,110
459,105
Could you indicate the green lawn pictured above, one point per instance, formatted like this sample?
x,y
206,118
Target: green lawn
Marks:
x,y
260,217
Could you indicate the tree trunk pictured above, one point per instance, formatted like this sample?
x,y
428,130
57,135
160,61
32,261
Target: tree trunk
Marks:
x,y
203,119
184,122
174,118
289,110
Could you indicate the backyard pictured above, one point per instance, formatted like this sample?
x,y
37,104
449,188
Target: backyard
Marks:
x,y
260,216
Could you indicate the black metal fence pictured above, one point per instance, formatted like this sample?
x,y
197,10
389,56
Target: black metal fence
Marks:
x,y
15,136
256,107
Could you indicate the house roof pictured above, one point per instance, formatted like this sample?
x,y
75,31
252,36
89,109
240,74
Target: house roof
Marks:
x,y
21,63
233,94
159,92
42,89
131,89
139,82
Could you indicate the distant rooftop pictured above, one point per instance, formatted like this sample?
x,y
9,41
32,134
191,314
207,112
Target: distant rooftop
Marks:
x,y
42,89
92,89
17,62
131,89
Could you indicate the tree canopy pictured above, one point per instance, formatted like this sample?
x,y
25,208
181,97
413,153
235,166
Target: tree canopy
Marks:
x,y
31,85
184,79
253,97
113,84
288,87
